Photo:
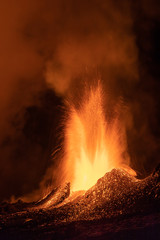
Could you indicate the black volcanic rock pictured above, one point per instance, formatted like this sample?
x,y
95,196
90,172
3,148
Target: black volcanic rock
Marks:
x,y
116,195
55,197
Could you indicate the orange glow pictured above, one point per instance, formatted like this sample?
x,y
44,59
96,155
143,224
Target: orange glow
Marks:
x,y
92,146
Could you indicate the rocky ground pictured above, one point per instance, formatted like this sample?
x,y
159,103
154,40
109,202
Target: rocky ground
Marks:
x,y
118,206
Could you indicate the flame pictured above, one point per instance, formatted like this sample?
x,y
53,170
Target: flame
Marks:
x,y
92,146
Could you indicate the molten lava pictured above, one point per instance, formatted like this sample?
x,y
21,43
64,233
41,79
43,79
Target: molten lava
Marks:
x,y
92,146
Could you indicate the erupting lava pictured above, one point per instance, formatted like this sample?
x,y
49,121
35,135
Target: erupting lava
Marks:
x,y
92,146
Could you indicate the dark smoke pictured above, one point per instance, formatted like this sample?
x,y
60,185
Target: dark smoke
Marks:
x,y
46,47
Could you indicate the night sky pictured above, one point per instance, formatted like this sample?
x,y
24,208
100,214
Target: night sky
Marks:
x,y
46,49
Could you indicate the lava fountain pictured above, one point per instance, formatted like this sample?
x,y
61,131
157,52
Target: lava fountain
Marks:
x,y
93,146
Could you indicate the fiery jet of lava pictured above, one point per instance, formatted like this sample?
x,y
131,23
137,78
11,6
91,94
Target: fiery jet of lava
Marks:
x,y
92,146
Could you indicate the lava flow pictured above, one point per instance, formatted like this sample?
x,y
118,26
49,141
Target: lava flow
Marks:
x,y
93,146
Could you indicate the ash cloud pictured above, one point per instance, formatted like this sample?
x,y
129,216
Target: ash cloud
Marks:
x,y
46,49
93,34
29,110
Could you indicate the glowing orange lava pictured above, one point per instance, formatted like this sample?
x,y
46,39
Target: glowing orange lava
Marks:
x,y
92,146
